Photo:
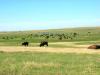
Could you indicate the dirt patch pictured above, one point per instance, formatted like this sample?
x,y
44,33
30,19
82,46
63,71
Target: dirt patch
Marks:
x,y
47,49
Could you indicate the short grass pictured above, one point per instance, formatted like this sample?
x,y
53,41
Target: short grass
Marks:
x,y
83,35
33,63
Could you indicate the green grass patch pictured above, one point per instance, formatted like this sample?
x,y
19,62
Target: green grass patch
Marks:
x,y
33,63
83,34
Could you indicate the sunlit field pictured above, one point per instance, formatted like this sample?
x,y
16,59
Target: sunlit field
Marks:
x,y
88,35
37,63
67,53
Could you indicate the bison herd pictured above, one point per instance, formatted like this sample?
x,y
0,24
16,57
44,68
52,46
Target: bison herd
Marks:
x,y
45,43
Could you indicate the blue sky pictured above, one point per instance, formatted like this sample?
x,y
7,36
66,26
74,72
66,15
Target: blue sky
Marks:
x,y
48,14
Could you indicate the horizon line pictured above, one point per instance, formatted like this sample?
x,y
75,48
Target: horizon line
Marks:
x,y
50,29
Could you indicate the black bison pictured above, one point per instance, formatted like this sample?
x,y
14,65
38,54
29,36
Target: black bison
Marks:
x,y
25,43
43,43
94,47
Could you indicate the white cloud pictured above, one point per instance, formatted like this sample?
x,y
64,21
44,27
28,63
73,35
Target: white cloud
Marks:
x,y
29,25
98,20
54,22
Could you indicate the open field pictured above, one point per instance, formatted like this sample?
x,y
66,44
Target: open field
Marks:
x,y
57,35
43,63
81,49
56,47
67,53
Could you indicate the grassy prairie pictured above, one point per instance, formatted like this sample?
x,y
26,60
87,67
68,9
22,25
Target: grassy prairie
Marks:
x,y
33,63
68,57
86,35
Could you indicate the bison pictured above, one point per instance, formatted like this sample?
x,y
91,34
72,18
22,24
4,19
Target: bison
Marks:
x,y
25,43
43,43
94,47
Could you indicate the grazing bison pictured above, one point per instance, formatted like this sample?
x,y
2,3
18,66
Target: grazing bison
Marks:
x,y
94,47
43,43
25,43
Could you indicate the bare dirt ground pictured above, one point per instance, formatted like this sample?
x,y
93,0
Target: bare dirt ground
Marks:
x,y
48,49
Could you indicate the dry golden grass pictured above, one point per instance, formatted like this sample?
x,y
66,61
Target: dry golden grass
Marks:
x,y
40,65
79,49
